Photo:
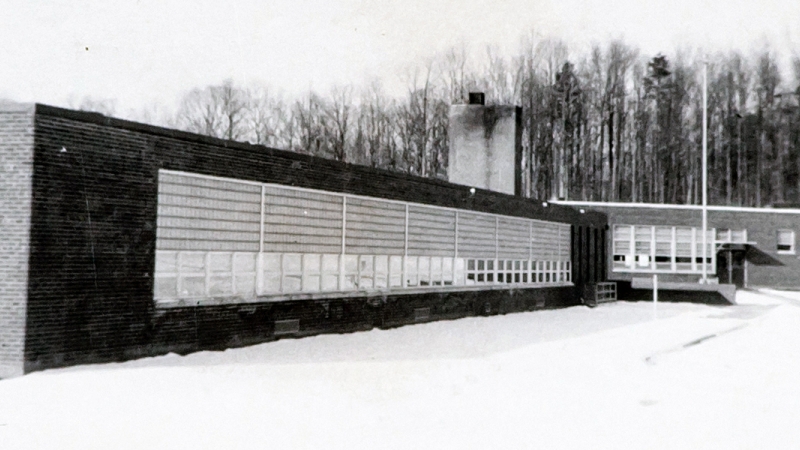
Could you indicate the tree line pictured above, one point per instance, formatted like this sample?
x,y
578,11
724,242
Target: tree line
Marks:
x,y
608,124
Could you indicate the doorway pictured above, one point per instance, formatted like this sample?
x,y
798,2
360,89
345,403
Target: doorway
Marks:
x,y
730,266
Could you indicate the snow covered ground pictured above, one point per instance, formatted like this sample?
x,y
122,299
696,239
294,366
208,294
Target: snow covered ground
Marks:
x,y
610,377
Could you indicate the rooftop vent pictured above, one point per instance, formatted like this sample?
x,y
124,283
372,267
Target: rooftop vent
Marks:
x,y
477,98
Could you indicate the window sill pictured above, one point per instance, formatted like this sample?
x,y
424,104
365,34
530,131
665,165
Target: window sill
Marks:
x,y
183,303
663,271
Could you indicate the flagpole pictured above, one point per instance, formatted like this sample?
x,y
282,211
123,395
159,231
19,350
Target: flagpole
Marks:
x,y
705,172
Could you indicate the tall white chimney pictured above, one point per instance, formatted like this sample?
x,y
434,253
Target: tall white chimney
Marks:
x,y
485,146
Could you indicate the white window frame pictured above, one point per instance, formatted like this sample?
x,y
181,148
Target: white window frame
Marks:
x,y
792,247
645,262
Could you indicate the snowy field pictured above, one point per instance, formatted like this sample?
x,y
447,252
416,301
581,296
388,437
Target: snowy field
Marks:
x,y
611,377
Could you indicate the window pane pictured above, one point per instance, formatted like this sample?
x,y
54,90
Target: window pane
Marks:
x,y
622,246
351,264
459,272
193,286
245,285
366,264
683,248
350,282
739,236
166,287
311,263
411,271
271,282
622,232
785,240
166,262
291,263
292,283
395,265
192,262
220,262
424,271
330,263
663,248
271,262
381,264
642,244
220,285
447,270
330,282
244,262
436,265
311,283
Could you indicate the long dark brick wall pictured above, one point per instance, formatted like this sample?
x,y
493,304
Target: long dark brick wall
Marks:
x,y
93,242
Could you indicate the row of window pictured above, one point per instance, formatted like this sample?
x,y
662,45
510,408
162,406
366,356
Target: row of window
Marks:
x,y
666,249
194,274
678,249
517,271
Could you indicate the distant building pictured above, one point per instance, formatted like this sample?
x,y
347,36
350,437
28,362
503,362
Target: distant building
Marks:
x,y
747,247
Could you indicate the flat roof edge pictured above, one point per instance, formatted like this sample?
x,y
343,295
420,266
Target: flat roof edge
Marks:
x,y
673,206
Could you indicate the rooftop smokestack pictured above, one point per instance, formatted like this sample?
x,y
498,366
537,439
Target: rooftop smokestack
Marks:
x,y
486,146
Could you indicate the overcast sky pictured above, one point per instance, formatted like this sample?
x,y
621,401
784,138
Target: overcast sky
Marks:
x,y
142,52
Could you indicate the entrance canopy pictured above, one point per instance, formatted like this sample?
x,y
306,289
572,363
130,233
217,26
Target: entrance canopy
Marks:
x,y
752,253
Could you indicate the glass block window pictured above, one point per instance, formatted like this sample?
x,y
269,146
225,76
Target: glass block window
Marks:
x,y
220,238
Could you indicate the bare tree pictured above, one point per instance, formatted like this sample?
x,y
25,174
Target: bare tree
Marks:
x,y
266,118
768,79
458,77
308,126
499,83
378,147
338,112
414,114
612,126
214,111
